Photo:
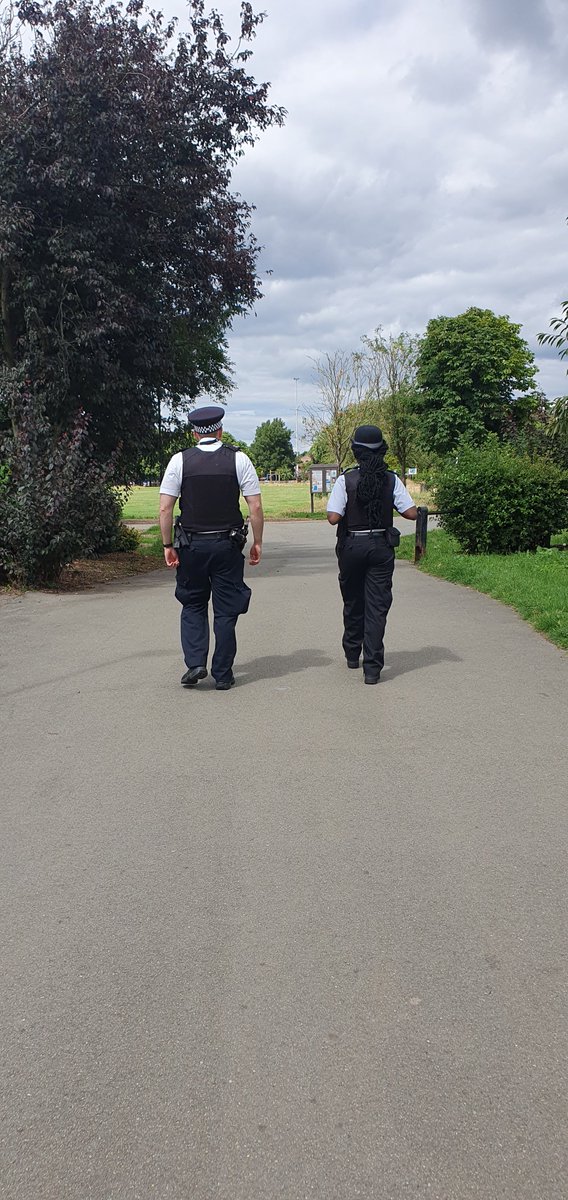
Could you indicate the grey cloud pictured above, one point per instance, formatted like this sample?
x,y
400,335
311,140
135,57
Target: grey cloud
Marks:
x,y
446,81
422,169
510,22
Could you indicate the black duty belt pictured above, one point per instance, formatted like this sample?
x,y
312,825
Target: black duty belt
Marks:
x,y
216,533
363,532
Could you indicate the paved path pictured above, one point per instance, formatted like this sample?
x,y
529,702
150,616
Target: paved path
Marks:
x,y
303,939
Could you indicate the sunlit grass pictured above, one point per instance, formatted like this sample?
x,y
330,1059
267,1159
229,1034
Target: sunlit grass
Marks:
x,y
281,502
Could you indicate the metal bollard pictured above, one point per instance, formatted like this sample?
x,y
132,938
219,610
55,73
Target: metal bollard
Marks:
x,y
421,533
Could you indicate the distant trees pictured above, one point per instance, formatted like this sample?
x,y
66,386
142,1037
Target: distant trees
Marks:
x,y
271,449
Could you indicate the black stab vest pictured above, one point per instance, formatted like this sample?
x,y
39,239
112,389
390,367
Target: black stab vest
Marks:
x,y
357,514
210,490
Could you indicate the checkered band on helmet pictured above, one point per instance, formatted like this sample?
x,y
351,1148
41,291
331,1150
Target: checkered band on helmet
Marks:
x,y
207,419
211,427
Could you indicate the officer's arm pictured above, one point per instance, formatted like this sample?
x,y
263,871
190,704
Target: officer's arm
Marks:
x,y
257,522
410,513
337,500
167,505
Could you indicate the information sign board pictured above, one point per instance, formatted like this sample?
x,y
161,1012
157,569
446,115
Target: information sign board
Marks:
x,y
317,481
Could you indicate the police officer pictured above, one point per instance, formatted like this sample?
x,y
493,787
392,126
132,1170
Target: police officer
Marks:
x,y
361,505
209,478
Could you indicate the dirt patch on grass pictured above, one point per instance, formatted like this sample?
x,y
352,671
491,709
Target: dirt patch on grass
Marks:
x,y
91,572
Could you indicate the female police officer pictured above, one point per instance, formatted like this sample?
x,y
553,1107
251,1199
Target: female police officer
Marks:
x,y
361,505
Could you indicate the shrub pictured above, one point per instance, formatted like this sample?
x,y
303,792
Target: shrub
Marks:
x,y
125,540
56,502
107,528
493,500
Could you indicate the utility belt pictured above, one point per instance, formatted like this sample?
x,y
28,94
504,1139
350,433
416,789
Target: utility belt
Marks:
x,y
184,537
363,532
391,534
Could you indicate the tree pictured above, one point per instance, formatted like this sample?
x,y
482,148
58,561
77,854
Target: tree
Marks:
x,y
392,374
376,386
558,431
123,253
271,450
558,428
559,335
320,449
343,383
229,440
559,421
469,369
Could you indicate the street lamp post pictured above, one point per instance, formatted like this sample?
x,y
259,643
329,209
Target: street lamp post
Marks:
x,y
296,381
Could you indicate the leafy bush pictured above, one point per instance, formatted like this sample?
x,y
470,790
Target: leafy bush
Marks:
x,y
56,502
125,540
109,534
493,500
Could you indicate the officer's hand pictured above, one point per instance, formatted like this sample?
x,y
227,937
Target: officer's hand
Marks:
x,y
171,557
255,554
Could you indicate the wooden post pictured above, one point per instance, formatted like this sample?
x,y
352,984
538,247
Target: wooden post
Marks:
x,y
421,533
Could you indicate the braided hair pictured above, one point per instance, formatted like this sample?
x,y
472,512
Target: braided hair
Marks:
x,y
372,471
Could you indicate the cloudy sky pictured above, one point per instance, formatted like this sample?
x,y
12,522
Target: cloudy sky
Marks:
x,y
423,168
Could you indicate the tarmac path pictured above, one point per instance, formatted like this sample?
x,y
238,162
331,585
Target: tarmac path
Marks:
x,y
305,938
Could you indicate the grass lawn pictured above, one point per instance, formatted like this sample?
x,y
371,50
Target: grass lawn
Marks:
x,y
536,585
151,542
281,502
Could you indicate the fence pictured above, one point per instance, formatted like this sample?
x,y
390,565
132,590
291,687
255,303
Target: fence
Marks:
x,y
421,533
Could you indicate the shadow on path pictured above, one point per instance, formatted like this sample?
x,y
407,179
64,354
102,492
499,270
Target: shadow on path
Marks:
x,y
400,662
273,666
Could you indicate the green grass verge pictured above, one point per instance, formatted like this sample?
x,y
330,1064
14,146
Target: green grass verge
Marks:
x,y
536,585
151,542
281,502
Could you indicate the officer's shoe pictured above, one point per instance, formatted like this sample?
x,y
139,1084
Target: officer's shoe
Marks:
x,y
353,664
372,678
192,677
223,685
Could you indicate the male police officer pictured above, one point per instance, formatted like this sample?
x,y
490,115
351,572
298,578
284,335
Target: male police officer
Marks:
x,y
210,535
361,505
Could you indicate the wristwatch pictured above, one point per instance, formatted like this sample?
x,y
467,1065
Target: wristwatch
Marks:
x,y
168,545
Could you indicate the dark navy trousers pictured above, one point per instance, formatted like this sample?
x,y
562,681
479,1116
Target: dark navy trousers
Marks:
x,y
366,566
211,566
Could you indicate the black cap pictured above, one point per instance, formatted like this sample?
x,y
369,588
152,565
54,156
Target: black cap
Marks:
x,y
207,419
369,436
